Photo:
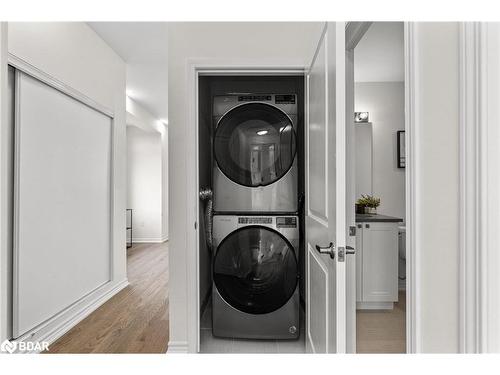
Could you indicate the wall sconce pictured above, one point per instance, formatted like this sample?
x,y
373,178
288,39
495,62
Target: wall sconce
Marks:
x,y
360,116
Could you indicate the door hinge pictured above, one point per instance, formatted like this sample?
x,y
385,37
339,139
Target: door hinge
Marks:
x,y
195,225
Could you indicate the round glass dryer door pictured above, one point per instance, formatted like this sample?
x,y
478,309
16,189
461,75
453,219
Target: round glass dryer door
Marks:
x,y
254,144
255,270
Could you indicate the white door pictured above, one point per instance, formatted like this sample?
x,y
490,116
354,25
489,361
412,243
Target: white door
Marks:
x,y
326,195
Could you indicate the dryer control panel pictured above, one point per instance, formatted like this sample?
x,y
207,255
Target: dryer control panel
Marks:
x,y
286,222
255,220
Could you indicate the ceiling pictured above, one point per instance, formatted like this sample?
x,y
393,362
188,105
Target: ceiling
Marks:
x,y
143,46
379,56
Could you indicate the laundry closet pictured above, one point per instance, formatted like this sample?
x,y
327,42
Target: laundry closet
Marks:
x,y
251,210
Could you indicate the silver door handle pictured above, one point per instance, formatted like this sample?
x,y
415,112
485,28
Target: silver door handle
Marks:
x,y
330,250
350,250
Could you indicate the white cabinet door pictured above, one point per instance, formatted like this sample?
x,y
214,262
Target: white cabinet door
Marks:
x,y
325,194
380,262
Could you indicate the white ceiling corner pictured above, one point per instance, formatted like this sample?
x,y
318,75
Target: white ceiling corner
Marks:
x,y
379,56
143,46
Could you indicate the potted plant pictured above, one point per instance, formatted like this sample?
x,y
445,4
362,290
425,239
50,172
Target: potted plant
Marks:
x,y
369,203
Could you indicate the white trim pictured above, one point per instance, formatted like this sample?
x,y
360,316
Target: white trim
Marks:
x,y
196,68
6,147
57,326
149,239
412,80
473,188
354,32
177,347
33,71
486,170
374,305
469,118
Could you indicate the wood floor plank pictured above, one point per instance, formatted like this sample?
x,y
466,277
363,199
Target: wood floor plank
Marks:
x,y
382,331
133,321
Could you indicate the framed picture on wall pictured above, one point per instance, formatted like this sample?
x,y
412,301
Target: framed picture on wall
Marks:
x,y
401,149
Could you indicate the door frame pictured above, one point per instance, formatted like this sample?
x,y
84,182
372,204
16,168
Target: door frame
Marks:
x,y
354,33
412,261
479,180
197,68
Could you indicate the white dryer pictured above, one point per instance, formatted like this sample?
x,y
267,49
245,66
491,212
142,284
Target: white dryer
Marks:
x,y
254,146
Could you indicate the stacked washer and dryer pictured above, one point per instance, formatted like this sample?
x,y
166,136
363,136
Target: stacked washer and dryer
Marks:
x,y
255,291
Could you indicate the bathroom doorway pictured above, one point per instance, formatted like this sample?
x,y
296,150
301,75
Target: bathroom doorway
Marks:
x,y
376,54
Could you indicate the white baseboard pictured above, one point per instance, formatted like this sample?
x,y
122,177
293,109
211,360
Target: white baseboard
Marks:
x,y
148,240
64,321
177,347
374,305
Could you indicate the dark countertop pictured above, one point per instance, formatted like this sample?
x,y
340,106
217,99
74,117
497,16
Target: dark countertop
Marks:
x,y
369,218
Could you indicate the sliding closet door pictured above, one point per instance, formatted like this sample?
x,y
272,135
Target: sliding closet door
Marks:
x,y
62,208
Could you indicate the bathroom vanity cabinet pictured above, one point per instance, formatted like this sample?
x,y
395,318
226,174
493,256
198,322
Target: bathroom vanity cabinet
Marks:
x,y
376,261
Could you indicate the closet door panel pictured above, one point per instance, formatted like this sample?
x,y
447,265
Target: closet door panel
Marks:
x,y
62,213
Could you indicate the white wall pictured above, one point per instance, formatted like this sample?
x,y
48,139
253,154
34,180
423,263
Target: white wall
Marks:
x,y
165,187
73,54
139,117
437,195
6,138
491,161
385,103
144,183
244,44
379,55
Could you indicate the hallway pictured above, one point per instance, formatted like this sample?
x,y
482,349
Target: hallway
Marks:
x,y
133,321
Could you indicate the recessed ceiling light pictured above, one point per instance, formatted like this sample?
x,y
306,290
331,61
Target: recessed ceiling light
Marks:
x,y
262,132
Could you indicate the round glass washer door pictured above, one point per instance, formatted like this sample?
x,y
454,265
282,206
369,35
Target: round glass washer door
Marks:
x,y
255,270
254,144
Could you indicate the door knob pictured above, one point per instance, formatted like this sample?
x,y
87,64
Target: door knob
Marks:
x,y
330,250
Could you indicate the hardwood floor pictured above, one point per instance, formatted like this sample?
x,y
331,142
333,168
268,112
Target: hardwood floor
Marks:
x,y
382,331
133,321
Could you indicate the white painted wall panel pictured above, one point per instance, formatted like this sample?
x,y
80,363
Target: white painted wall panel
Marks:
x,y
62,224
144,181
437,190
385,103
364,159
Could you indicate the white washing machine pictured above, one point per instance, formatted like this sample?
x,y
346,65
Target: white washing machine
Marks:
x,y
254,146
255,291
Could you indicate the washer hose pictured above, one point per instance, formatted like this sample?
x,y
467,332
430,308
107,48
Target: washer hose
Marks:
x,y
206,196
